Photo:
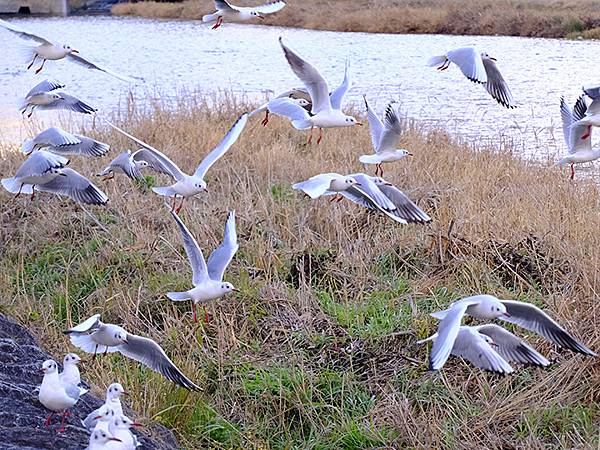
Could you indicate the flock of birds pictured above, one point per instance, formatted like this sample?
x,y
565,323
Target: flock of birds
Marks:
x,y
489,346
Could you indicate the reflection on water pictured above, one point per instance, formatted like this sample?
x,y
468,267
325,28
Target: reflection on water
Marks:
x,y
173,55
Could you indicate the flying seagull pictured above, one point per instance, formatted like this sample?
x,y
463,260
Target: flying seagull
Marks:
x,y
47,95
385,136
298,95
131,163
225,10
188,185
207,277
46,50
479,68
94,336
59,141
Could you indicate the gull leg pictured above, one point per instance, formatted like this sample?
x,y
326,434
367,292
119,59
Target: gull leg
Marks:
x,y
31,112
334,198
31,63
320,136
48,420
173,203
41,67
572,172
32,192
340,197
310,136
194,311
62,423
218,24
587,133
20,188
205,315
180,205
95,352
265,121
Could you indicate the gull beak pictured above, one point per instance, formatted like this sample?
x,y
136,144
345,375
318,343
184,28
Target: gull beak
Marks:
x,y
135,424
261,17
235,290
409,154
125,393
493,344
493,59
125,341
206,190
388,184
358,184
359,124
98,417
114,439
74,51
506,315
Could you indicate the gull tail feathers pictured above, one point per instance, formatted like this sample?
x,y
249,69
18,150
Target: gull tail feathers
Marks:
x,y
178,296
210,18
430,338
436,60
166,191
13,186
303,124
26,52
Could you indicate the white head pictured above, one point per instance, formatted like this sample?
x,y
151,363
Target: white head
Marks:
x,y
71,358
350,121
115,390
49,366
401,153
201,185
54,96
227,287
380,181
342,183
486,56
99,438
490,307
118,333
67,48
105,414
123,423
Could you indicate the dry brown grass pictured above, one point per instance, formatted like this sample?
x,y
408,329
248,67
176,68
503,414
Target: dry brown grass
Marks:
x,y
318,350
540,18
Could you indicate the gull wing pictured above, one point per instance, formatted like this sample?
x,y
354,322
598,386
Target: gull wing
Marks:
x,y
222,5
315,83
317,185
270,8
193,251
90,65
162,163
496,85
76,186
468,60
375,125
405,207
510,347
69,103
23,34
534,319
88,325
337,96
39,163
44,86
232,135
470,345
392,130
222,256
150,354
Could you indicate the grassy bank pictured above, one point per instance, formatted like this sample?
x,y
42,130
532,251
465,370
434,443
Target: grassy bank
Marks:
x,y
318,350
540,18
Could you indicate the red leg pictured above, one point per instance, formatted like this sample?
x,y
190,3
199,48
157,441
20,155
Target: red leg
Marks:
x,y
205,315
173,203
41,67
572,172
587,133
180,205
310,136
31,112
334,198
266,119
48,420
62,424
32,192
194,312
320,136
31,63
19,193
218,24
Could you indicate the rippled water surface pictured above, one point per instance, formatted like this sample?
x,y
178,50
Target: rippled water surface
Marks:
x,y
173,55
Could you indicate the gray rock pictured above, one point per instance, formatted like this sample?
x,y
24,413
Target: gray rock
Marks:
x,y
21,414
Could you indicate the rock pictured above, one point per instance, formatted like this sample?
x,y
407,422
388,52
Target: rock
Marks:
x,y
21,414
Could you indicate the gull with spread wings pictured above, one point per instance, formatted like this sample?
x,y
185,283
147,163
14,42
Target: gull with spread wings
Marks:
x,y
225,10
47,95
46,50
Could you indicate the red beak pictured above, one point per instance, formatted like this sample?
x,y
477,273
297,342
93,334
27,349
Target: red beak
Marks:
x,y
115,439
506,315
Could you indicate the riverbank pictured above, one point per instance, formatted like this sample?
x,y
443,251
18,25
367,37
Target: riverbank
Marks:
x,y
530,18
319,347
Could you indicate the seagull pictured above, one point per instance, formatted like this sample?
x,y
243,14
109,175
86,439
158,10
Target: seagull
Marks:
x,y
577,133
326,109
377,194
46,172
99,439
113,401
46,96
46,50
130,163
491,347
488,307
207,277
101,418
298,95
326,184
385,137
94,336
70,373
58,141
120,427
480,68
591,116
225,10
188,185
56,395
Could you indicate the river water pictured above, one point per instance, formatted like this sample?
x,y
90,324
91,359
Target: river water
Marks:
x,y
182,55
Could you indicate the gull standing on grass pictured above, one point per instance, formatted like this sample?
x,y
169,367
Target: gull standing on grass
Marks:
x,y
93,336
113,401
385,137
56,395
491,347
46,172
577,134
60,142
47,96
207,277
225,10
46,50
479,68
488,307
70,373
188,185
326,109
